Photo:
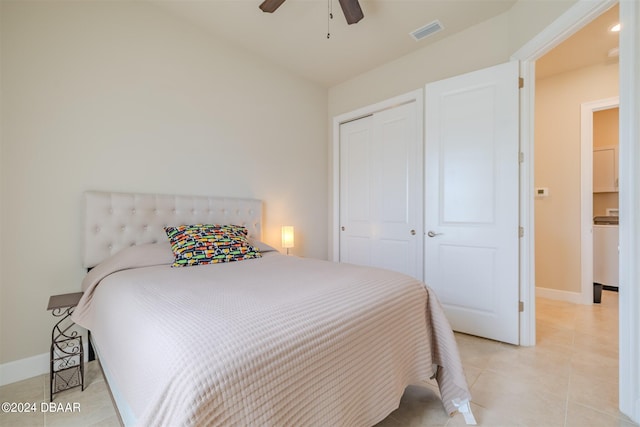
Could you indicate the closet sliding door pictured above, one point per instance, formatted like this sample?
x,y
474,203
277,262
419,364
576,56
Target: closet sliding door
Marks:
x,y
381,190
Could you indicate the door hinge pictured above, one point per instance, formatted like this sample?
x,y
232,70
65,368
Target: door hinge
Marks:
x,y
520,306
520,82
521,231
521,157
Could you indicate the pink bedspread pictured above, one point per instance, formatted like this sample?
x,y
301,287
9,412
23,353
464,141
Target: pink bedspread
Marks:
x,y
275,341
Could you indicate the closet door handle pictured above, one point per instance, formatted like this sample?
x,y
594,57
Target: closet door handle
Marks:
x,y
433,234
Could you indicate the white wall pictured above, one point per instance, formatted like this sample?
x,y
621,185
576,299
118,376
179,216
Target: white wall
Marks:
x,y
528,18
445,58
557,166
123,96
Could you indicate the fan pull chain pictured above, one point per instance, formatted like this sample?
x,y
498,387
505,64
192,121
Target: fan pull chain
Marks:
x,y
329,17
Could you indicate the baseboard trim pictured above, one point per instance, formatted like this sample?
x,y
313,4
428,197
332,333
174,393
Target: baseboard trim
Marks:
x,y
555,294
22,369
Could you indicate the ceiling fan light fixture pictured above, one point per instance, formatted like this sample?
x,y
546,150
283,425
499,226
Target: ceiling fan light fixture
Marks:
x,y
427,30
351,9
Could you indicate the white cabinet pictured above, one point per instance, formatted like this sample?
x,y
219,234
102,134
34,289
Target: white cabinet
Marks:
x,y
605,255
605,169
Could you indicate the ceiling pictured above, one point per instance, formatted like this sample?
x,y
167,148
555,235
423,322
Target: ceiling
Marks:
x,y
295,36
589,46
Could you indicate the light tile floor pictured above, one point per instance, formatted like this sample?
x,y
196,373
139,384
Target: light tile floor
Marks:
x,y
570,378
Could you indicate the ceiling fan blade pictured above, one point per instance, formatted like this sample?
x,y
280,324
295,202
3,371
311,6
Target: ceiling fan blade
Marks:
x,y
352,11
270,5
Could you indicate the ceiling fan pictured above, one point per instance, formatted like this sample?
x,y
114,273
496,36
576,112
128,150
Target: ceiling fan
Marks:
x,y
350,8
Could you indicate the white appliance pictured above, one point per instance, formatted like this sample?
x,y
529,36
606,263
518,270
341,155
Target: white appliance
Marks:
x,y
605,251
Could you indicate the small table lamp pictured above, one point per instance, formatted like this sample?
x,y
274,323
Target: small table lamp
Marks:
x,y
287,237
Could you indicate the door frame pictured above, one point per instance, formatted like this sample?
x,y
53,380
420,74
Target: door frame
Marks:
x,y
416,96
586,192
568,23
576,17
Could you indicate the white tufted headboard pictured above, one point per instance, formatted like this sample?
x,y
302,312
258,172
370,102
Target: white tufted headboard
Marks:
x,y
114,221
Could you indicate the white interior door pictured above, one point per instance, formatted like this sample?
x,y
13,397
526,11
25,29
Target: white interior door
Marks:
x,y
381,192
356,216
471,200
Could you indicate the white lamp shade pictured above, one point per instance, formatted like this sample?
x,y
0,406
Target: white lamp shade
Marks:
x,y
287,236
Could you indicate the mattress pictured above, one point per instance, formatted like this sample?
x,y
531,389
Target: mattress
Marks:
x,y
272,341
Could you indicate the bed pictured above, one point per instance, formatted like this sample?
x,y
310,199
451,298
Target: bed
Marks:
x,y
269,340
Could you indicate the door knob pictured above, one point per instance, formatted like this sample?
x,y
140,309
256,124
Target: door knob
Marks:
x,y
433,234
413,232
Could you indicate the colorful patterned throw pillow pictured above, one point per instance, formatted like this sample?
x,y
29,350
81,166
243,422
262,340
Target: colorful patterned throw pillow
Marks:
x,y
209,244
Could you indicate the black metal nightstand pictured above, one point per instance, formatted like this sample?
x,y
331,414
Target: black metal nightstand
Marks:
x,y
67,353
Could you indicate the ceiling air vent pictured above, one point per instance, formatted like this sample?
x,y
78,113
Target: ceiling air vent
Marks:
x,y
426,30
